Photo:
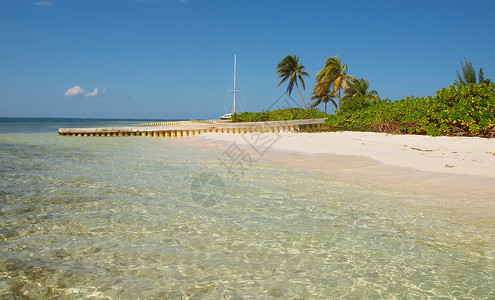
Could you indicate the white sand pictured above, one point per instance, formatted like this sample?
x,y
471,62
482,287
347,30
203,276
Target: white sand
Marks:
x,y
452,155
458,172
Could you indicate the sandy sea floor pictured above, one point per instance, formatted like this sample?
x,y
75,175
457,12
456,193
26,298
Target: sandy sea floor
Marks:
x,y
459,172
238,217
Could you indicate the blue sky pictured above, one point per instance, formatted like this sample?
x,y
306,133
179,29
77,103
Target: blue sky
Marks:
x,y
173,58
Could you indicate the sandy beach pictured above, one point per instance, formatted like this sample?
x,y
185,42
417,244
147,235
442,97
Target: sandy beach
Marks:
x,y
459,170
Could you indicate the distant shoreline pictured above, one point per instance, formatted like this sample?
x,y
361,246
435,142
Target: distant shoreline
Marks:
x,y
93,119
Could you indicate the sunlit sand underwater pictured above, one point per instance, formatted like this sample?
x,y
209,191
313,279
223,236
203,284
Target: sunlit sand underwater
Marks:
x,y
141,217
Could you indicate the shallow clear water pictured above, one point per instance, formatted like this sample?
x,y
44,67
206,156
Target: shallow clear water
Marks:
x,y
141,217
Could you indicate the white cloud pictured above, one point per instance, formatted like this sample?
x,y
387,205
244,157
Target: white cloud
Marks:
x,y
74,92
77,91
93,93
44,3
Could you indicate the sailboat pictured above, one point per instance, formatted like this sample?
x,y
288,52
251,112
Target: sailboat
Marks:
x,y
228,116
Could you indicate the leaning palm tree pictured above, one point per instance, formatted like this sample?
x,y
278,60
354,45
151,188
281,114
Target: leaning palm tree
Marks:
x,y
325,98
291,69
359,88
333,74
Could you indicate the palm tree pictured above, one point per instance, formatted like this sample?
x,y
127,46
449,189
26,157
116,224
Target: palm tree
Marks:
x,y
328,97
290,68
359,88
333,74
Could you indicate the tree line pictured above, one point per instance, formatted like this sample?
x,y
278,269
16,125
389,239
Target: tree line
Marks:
x,y
334,79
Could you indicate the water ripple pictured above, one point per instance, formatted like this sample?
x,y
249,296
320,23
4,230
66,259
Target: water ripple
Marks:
x,y
114,219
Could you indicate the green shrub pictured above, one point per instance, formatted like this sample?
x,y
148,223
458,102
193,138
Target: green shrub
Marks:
x,y
250,117
457,110
350,104
279,115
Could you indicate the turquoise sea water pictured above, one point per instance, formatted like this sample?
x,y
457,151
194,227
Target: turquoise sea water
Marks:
x,y
151,218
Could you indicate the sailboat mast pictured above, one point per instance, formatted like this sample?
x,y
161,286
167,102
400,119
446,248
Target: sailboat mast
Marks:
x,y
235,75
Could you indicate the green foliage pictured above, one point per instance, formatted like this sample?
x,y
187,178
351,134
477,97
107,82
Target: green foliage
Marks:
x,y
324,98
279,115
360,88
332,78
261,116
458,110
469,109
350,103
292,70
468,75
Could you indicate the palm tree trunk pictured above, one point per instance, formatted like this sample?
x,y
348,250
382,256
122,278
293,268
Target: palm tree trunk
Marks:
x,y
301,95
326,107
339,99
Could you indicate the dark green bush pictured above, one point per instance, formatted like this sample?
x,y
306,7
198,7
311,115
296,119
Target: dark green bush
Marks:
x,y
250,117
350,104
279,115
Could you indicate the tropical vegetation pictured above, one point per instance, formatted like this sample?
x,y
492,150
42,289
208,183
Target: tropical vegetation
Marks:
x,y
279,115
466,108
468,75
360,88
324,98
332,78
292,70
358,95
460,110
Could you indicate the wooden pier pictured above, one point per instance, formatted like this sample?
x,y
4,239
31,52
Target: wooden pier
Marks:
x,y
192,128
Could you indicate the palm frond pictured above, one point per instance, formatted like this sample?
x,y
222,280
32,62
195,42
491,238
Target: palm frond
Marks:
x,y
283,80
290,86
302,81
334,103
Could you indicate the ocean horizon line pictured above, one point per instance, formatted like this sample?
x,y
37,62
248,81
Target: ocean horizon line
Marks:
x,y
99,118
